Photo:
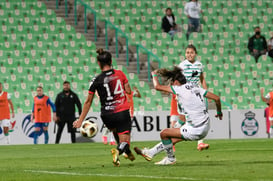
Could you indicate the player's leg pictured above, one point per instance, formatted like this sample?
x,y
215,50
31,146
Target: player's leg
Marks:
x,y
45,130
271,126
201,145
166,139
112,139
124,132
104,135
120,123
60,124
71,130
37,128
115,134
148,154
6,124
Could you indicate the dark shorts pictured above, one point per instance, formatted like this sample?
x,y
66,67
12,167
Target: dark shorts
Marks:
x,y
40,125
120,121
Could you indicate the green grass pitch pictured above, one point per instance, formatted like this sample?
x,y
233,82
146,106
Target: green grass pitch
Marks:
x,y
231,160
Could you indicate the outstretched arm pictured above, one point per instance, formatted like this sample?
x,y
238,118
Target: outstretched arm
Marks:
x,y
217,102
158,86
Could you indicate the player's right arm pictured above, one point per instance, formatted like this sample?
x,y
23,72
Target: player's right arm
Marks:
x,y
87,104
158,86
217,100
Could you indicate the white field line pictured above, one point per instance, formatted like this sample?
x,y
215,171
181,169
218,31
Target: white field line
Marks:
x,y
111,175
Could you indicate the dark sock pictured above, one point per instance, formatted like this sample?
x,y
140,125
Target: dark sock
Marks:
x,y
123,147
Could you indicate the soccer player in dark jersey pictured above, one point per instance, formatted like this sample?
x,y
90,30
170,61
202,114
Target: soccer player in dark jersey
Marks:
x,y
112,86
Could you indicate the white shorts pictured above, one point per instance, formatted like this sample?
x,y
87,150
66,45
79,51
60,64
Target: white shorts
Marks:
x,y
174,118
5,123
270,118
191,133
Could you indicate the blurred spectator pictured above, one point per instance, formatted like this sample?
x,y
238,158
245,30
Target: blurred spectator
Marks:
x,y
168,23
270,47
257,45
65,107
192,10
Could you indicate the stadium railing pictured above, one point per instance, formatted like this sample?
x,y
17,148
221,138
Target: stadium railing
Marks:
x,y
118,33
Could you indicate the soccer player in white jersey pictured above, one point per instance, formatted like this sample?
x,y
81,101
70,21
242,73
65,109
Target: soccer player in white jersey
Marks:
x,y
193,71
191,97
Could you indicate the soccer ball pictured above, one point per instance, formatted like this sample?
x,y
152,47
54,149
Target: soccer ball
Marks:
x,y
89,129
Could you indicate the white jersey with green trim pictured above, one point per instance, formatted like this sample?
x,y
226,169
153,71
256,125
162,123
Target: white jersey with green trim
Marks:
x,y
191,98
192,71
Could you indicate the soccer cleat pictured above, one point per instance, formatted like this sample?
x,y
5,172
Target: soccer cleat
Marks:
x,y
144,153
104,139
112,143
166,161
115,154
202,146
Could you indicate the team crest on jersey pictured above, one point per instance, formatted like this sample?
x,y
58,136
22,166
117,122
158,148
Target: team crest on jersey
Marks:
x,y
250,125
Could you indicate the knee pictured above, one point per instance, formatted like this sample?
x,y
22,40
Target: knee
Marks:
x,y
164,133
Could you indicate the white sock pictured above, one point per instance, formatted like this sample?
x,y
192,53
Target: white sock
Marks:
x,y
168,146
199,141
271,131
105,133
112,139
7,139
156,149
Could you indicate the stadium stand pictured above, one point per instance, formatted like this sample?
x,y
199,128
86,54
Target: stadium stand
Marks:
x,y
36,47
222,44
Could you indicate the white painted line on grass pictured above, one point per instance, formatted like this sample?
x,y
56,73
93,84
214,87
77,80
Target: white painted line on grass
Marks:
x,y
111,175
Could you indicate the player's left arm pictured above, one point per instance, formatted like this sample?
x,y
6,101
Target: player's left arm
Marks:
x,y
158,86
126,84
217,100
11,107
53,107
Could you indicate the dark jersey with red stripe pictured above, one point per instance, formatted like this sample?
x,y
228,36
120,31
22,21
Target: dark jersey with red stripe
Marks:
x,y
110,87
